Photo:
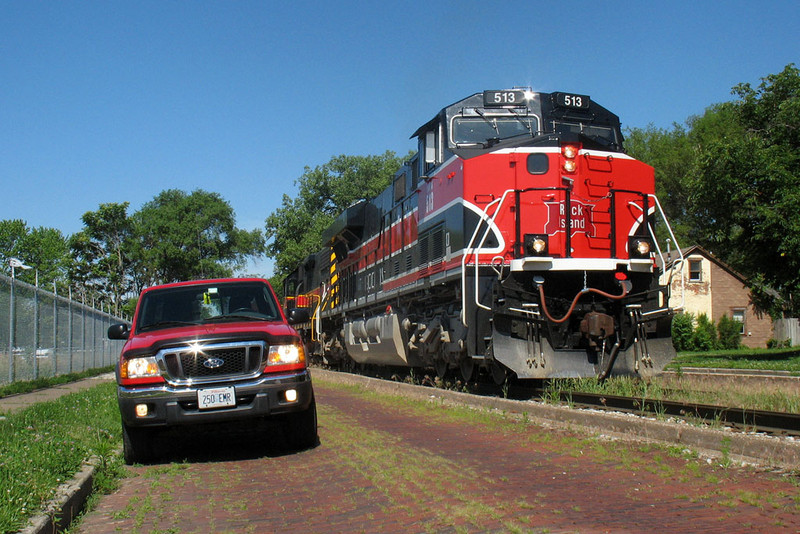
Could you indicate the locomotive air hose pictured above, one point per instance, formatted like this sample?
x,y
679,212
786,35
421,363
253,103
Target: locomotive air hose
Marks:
x,y
575,300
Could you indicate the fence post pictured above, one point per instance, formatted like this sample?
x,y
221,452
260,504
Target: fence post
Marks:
x,y
55,329
83,332
69,327
11,332
36,327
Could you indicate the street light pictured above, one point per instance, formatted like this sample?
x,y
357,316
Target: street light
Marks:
x,y
17,264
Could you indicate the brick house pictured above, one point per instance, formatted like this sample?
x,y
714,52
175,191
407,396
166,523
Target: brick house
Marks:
x,y
713,288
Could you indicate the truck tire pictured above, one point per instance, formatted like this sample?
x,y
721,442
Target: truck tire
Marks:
x,y
136,445
300,429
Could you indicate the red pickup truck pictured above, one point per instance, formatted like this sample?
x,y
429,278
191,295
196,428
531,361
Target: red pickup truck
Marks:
x,y
212,351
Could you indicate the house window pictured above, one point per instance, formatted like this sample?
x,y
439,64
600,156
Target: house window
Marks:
x,y
738,315
695,270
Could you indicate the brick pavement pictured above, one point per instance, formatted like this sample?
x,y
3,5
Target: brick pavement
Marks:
x,y
390,466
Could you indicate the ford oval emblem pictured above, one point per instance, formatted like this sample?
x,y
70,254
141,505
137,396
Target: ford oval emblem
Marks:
x,y
213,363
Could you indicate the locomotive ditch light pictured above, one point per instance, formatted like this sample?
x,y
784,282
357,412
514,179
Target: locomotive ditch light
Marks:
x,y
535,244
640,247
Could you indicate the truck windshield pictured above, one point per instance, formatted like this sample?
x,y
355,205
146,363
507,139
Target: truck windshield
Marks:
x,y
198,304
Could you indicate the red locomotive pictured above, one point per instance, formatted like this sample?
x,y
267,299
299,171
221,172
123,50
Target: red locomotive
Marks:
x,y
519,238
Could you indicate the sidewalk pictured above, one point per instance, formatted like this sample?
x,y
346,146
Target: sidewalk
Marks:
x,y
14,403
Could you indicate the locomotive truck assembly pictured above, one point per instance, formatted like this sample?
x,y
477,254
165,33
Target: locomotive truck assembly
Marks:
x,y
520,238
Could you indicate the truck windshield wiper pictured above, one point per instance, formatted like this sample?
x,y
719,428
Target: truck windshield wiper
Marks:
x,y
236,317
165,324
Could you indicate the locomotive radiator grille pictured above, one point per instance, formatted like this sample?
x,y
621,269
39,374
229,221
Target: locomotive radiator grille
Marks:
x,y
199,363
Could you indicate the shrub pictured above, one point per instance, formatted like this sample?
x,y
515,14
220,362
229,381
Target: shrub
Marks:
x,y
682,328
704,336
730,333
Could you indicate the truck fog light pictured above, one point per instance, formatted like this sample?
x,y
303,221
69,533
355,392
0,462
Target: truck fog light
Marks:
x,y
291,395
141,410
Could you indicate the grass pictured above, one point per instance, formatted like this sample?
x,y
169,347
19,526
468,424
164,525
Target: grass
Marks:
x,y
730,395
759,359
45,445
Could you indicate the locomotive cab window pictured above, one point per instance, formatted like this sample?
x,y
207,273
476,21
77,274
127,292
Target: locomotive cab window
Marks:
x,y
604,136
484,129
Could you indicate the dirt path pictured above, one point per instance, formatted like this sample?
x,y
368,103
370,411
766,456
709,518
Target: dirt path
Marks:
x,y
386,464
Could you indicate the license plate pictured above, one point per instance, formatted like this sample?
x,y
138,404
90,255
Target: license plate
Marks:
x,y
216,398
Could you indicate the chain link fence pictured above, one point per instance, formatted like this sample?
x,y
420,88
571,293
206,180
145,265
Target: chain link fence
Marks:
x,y
43,334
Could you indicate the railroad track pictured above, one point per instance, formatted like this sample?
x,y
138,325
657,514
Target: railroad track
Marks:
x,y
745,420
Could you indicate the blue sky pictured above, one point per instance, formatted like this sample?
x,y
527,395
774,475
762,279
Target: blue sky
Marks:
x,y
116,101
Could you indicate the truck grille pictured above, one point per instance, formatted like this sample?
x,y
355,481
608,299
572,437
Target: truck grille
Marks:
x,y
213,361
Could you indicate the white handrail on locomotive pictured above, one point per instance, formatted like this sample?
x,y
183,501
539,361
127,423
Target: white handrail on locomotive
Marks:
x,y
664,260
469,250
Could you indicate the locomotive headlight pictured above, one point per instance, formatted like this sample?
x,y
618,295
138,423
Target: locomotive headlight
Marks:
x,y
570,151
643,248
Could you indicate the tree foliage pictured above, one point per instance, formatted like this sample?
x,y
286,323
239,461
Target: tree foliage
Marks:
x,y
101,262
730,181
43,249
745,191
176,236
179,236
294,230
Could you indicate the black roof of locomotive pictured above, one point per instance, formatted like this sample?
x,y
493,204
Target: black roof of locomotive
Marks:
x,y
542,104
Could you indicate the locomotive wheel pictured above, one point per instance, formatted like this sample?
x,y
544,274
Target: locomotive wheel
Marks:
x,y
499,372
467,366
441,367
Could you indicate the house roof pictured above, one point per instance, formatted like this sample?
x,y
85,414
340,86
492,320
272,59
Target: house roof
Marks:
x,y
674,256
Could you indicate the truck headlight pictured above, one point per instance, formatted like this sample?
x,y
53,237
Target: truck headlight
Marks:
x,y
139,368
282,354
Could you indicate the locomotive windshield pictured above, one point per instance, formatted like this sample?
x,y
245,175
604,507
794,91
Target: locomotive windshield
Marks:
x,y
484,129
604,136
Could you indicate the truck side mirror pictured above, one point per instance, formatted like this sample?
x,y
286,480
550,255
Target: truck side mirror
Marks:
x,y
118,331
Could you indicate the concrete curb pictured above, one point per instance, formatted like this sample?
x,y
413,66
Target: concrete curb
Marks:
x,y
740,447
67,504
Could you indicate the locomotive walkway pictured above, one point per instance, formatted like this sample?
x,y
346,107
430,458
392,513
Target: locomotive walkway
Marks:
x,y
389,463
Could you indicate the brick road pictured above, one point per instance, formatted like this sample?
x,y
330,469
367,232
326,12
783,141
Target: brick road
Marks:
x,y
389,465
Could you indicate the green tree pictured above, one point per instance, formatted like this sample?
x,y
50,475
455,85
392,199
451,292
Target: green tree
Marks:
x,y
179,236
44,249
100,259
294,230
744,192
12,235
670,153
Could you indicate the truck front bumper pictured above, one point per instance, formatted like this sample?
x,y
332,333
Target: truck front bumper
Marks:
x,y
168,405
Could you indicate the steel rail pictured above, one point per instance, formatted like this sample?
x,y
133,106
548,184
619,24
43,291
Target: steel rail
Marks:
x,y
780,423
